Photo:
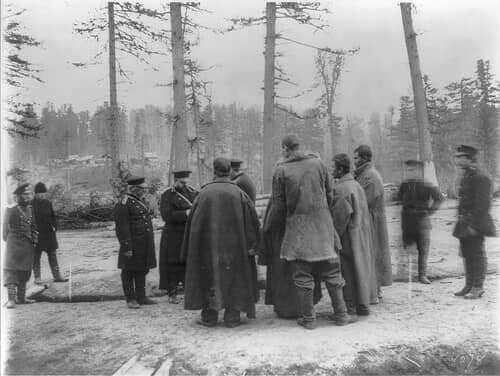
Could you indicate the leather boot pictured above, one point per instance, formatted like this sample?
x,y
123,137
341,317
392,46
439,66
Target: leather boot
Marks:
x,y
54,267
340,316
422,267
11,291
479,271
21,294
36,268
468,279
306,308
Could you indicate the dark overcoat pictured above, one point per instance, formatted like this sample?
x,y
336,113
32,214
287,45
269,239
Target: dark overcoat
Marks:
x,y
474,204
46,223
221,228
243,181
173,209
352,222
134,231
371,181
20,234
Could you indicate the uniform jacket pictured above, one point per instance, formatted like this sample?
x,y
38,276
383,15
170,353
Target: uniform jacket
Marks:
x,y
134,231
243,181
419,200
474,205
301,196
20,235
371,181
46,223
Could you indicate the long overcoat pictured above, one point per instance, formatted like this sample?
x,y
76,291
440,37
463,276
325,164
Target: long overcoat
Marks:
x,y
301,196
20,234
352,222
474,204
46,223
134,231
243,181
371,181
221,229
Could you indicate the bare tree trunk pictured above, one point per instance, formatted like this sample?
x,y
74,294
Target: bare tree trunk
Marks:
x,y
424,136
115,152
180,133
269,128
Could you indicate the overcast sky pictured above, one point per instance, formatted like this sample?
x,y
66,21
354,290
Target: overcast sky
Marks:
x,y
452,36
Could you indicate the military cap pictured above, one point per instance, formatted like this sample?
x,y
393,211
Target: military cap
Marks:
x,y
235,163
135,180
23,188
40,188
414,163
290,141
179,174
467,151
222,165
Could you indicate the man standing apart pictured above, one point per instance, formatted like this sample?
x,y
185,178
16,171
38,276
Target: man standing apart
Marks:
x,y
20,235
221,235
419,200
47,241
301,200
134,231
175,204
474,221
242,180
371,181
352,222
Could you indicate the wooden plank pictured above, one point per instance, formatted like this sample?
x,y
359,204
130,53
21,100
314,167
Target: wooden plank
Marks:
x,y
164,369
134,366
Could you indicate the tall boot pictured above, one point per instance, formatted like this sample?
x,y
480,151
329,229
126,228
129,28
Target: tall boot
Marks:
x,y
54,267
11,292
340,316
140,289
306,301
479,265
468,278
422,266
36,267
128,289
21,294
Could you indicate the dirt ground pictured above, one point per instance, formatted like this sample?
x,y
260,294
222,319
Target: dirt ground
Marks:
x,y
417,329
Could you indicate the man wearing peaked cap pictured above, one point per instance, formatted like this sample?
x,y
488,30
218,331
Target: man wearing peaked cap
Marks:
x,y
20,234
474,220
419,200
175,205
134,231
242,180
47,241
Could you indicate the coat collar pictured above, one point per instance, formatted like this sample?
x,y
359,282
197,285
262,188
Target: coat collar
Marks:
x,y
298,156
346,177
365,166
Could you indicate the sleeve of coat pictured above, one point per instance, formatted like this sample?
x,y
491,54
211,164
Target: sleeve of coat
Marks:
x,y
277,213
342,211
53,217
175,215
482,201
371,193
328,187
187,231
6,228
437,199
122,227
252,226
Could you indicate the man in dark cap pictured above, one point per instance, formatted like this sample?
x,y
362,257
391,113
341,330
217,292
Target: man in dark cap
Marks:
x,y
371,181
474,221
20,235
175,204
301,200
134,231
221,235
47,241
419,199
242,180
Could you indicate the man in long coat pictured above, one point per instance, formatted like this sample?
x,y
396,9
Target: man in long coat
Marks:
x,y
242,180
474,221
419,200
222,233
20,234
352,222
47,241
175,204
371,181
134,231
301,199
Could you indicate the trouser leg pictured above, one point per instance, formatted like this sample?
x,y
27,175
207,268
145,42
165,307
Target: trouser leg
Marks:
x,y
423,244
348,273
330,273
479,263
36,264
24,277
128,285
54,267
140,285
12,292
304,285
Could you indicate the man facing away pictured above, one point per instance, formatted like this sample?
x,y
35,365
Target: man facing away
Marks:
x,y
242,180
175,204
221,235
474,221
301,199
371,181
134,231
352,222
47,241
